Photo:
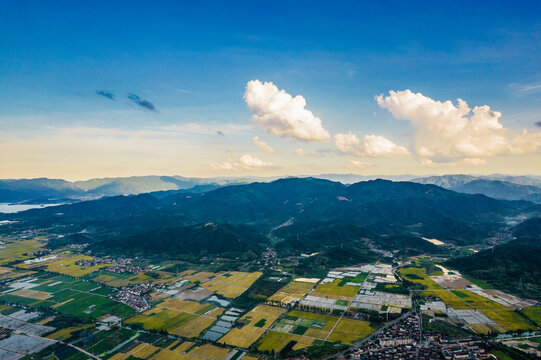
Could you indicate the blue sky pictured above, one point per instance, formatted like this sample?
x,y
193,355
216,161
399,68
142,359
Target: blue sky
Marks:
x,y
193,60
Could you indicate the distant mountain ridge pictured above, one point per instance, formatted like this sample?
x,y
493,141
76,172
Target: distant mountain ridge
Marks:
x,y
43,190
505,187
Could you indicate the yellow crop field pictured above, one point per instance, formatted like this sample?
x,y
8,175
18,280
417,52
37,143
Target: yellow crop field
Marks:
x,y
185,346
477,301
480,328
448,298
191,307
119,356
232,284
210,352
165,354
194,276
419,276
143,350
348,331
509,319
243,337
32,294
334,289
14,250
193,327
67,266
292,292
276,341
262,316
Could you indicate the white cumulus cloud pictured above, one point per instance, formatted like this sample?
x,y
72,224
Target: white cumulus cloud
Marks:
x,y
300,152
244,162
281,114
262,144
445,131
371,145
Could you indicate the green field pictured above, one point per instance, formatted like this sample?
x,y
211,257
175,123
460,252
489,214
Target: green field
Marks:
x,y
72,296
533,313
306,323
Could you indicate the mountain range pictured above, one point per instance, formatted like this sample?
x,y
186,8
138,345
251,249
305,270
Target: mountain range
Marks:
x,y
43,190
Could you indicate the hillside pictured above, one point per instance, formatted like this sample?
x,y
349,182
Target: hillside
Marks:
x,y
196,241
513,266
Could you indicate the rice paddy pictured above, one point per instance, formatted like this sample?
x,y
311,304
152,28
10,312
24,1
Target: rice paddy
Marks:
x,y
291,293
243,337
335,288
418,275
510,320
477,301
533,313
262,316
277,341
349,331
232,284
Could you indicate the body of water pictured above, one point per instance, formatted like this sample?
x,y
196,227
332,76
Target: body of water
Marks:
x,y
14,208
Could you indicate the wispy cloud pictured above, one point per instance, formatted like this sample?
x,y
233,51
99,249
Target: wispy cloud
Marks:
x,y
524,88
106,94
530,87
262,144
142,102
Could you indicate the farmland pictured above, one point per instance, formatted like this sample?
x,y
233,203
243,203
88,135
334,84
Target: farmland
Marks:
x,y
477,301
307,323
277,341
348,331
510,320
262,316
243,337
418,275
292,292
449,298
336,288
14,250
67,295
178,317
533,313
233,284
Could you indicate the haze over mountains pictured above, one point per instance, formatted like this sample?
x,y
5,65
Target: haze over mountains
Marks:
x,y
43,190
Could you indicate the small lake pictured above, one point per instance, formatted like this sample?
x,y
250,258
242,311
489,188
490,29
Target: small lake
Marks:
x,y
15,208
